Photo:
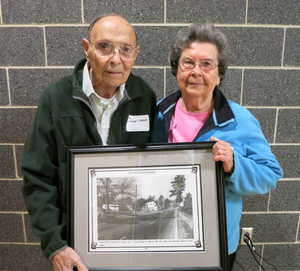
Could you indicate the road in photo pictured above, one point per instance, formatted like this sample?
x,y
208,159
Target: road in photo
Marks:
x,y
145,225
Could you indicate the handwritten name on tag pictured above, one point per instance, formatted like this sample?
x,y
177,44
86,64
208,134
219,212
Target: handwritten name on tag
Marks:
x,y
139,123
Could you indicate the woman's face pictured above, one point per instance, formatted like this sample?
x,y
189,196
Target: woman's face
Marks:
x,y
196,83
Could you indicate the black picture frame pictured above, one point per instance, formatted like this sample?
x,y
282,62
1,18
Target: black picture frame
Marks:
x,y
116,236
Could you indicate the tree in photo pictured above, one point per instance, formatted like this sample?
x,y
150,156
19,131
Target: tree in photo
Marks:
x,y
178,186
125,188
106,189
161,201
188,204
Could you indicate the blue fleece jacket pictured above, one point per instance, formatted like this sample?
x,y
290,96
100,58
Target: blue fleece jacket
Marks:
x,y
256,169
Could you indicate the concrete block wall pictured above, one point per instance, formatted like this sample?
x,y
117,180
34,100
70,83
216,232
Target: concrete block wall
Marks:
x,y
41,41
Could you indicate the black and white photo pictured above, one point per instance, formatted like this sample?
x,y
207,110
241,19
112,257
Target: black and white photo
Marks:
x,y
146,208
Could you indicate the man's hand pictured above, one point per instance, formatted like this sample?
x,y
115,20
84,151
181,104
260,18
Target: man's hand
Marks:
x,y
66,260
223,152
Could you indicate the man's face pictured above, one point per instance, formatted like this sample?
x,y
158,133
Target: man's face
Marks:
x,y
109,72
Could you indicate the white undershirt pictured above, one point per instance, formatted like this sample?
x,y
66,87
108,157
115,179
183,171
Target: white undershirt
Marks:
x,y
103,108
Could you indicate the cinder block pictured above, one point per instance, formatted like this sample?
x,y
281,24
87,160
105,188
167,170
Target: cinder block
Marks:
x,y
286,196
4,100
11,196
64,46
254,46
11,228
231,85
155,42
291,49
272,227
54,11
273,12
271,88
266,118
7,167
255,203
135,11
288,126
15,124
288,157
22,46
195,11
154,77
283,256
23,92
23,257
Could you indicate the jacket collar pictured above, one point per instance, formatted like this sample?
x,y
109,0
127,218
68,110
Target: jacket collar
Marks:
x,y
221,115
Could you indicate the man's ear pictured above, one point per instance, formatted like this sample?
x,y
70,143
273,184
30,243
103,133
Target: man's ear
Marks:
x,y
86,46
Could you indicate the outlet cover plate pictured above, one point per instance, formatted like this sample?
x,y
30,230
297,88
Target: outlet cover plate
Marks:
x,y
243,231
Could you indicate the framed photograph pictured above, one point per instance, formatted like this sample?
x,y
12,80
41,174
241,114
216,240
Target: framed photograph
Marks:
x,y
147,207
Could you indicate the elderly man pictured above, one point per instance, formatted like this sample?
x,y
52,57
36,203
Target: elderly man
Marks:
x,y
97,105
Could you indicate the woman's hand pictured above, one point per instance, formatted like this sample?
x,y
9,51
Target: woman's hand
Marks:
x,y
66,260
223,152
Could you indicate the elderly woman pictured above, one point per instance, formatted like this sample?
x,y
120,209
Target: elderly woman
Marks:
x,y
200,112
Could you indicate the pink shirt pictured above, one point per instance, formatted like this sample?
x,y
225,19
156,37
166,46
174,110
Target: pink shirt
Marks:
x,y
185,125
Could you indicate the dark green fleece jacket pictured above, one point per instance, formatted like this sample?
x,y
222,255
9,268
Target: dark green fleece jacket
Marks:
x,y
64,118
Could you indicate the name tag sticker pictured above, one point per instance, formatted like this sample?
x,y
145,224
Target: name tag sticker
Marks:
x,y
139,123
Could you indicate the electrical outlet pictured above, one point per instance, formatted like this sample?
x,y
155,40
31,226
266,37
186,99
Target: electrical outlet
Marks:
x,y
243,231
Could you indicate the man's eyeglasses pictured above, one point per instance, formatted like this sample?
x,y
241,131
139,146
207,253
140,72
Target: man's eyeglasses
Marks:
x,y
105,48
187,64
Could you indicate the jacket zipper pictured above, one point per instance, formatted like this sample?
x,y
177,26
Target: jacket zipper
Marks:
x,y
120,128
89,106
